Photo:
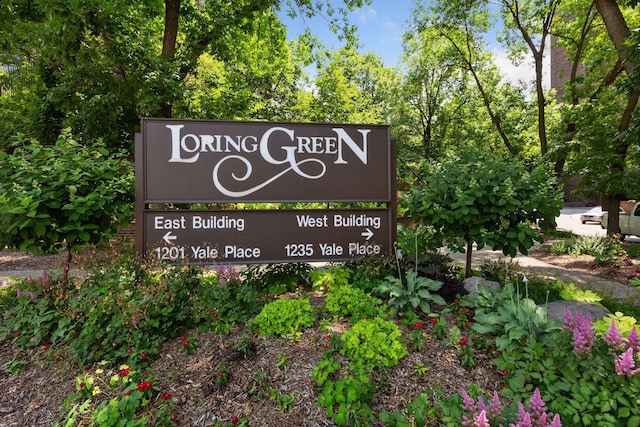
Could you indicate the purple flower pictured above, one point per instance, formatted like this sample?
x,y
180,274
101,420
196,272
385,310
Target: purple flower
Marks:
x,y
567,320
613,337
481,420
536,405
583,334
625,364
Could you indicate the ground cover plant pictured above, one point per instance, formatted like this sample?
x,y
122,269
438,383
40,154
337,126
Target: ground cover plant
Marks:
x,y
179,345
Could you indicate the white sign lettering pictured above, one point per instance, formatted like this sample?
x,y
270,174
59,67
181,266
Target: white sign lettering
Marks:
x,y
187,147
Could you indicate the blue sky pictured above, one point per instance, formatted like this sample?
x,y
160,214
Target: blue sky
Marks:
x,y
380,28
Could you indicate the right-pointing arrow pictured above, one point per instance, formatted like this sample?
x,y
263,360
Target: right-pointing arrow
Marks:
x,y
367,234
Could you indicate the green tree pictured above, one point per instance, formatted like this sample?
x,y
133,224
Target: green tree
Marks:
x,y
61,197
484,200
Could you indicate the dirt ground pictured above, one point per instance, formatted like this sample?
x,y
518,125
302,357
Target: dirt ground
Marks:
x,y
34,394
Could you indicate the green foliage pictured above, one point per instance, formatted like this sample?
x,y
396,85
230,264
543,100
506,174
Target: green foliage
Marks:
x,y
509,317
374,343
485,200
324,280
366,274
62,196
277,278
417,293
346,301
109,397
219,307
284,317
583,388
31,317
348,400
571,292
624,324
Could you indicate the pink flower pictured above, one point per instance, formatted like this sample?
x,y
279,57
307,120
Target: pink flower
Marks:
x,y
481,420
613,337
625,364
583,334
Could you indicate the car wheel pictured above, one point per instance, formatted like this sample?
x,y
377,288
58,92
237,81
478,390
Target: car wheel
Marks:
x,y
584,222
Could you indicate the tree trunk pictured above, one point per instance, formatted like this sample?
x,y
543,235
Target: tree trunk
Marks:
x,y
171,15
467,265
618,31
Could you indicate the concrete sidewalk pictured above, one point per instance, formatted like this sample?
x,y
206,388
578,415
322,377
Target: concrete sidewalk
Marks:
x,y
539,268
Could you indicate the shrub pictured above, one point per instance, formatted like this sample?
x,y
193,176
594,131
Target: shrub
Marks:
x,y
374,343
277,278
345,301
284,317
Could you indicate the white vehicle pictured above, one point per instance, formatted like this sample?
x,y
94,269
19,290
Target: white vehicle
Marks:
x,y
629,221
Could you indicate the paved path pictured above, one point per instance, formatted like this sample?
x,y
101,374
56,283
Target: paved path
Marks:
x,y
583,281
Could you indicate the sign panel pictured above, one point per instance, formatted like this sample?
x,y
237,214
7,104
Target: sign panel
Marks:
x,y
189,161
268,236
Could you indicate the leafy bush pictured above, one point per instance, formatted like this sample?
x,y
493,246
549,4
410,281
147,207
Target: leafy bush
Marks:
x,y
374,343
284,317
326,279
277,278
415,294
63,196
587,379
345,301
509,317
366,274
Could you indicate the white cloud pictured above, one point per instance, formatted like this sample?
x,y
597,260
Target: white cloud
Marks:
x,y
523,73
366,14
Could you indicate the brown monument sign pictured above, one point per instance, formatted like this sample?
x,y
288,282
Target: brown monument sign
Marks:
x,y
201,161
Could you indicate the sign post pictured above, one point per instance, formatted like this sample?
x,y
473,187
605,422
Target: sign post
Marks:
x,y
186,162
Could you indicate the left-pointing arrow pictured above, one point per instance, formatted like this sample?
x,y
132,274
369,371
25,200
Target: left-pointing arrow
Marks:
x,y
169,237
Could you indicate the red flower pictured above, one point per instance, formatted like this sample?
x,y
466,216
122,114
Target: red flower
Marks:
x,y
456,301
221,373
185,343
505,372
466,324
417,325
81,385
434,320
18,333
46,347
215,315
144,385
143,356
234,420
129,352
125,372
464,341
165,396
127,393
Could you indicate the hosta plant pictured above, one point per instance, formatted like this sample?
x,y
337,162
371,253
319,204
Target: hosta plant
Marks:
x,y
413,294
